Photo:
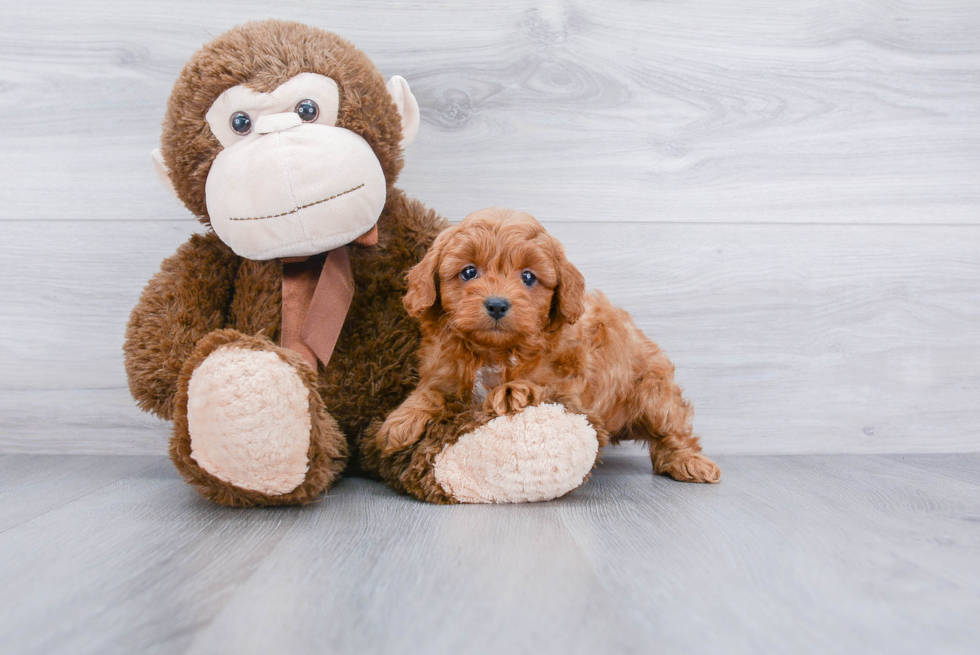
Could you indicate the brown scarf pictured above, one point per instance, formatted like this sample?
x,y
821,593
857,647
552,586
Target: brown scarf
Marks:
x,y
316,295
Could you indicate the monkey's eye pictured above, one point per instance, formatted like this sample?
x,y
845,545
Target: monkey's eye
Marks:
x,y
527,277
307,110
468,273
241,123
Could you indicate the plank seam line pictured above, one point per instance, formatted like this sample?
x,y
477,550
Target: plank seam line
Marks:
x,y
69,502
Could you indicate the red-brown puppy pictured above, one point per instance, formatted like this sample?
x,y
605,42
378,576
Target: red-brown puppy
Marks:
x,y
505,317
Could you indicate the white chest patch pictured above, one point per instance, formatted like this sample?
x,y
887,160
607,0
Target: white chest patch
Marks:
x,y
486,378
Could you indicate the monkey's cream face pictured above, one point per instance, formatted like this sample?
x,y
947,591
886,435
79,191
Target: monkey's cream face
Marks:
x,y
289,182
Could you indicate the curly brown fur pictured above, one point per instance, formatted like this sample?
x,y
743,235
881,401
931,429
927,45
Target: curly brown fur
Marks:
x,y
205,287
553,338
328,447
180,305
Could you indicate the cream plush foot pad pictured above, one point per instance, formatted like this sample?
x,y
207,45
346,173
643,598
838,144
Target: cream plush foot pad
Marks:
x,y
248,415
539,454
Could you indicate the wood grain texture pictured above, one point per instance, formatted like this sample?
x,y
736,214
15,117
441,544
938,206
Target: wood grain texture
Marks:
x,y
803,111
787,338
33,486
811,554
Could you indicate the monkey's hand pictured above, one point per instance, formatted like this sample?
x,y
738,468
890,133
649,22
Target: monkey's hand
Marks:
x,y
512,397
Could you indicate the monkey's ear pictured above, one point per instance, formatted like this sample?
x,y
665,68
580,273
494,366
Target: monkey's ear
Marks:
x,y
408,108
161,170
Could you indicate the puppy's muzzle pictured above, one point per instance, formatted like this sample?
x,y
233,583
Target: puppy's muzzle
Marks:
x,y
497,307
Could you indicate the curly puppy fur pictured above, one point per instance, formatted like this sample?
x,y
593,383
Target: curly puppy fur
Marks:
x,y
205,287
552,340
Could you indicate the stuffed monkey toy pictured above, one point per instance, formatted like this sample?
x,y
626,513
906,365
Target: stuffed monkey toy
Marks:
x,y
278,338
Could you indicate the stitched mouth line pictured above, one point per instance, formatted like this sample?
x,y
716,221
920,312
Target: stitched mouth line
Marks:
x,y
293,211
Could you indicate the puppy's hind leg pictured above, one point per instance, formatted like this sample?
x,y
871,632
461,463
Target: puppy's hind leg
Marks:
x,y
666,422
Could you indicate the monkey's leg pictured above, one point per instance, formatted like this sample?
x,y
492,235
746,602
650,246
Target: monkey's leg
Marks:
x,y
249,425
470,456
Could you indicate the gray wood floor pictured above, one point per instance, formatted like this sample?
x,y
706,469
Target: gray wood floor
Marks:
x,y
790,554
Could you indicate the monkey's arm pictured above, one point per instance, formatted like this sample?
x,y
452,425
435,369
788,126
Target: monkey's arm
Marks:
x,y
182,303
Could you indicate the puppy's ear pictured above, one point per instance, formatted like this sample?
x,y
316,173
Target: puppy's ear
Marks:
x,y
568,303
423,279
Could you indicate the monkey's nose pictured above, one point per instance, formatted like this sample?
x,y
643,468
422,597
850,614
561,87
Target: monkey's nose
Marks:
x,y
497,307
277,122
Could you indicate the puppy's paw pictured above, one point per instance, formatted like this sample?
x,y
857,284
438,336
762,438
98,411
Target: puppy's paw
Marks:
x,y
693,468
401,429
511,397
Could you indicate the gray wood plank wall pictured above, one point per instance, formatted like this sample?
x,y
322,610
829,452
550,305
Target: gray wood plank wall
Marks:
x,y
785,195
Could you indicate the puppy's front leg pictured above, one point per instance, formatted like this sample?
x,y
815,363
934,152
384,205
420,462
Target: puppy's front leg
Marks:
x,y
406,424
512,396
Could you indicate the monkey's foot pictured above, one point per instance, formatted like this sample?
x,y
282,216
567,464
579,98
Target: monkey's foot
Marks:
x,y
538,454
250,428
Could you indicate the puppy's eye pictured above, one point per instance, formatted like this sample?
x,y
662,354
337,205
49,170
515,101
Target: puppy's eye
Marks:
x,y
527,277
468,273
241,123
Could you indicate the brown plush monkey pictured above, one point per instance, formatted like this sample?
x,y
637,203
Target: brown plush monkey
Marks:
x,y
278,338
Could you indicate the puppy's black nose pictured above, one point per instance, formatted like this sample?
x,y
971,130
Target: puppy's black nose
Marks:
x,y
497,307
